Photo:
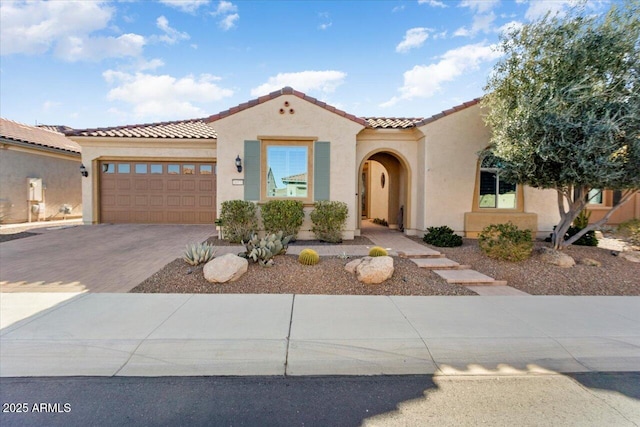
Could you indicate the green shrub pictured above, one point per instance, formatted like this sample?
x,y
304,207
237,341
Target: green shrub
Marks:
x,y
308,257
329,219
283,215
580,222
198,253
443,237
239,220
377,251
506,242
631,230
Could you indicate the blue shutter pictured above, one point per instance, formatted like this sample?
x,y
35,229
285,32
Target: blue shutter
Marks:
x,y
252,170
321,170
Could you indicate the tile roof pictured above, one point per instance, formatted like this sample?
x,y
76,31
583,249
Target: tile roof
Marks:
x,y
301,177
392,122
55,128
183,129
284,91
19,132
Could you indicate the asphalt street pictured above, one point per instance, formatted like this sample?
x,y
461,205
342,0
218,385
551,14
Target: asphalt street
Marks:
x,y
587,399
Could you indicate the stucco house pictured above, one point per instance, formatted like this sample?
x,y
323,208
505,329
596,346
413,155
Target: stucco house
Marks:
x,y
39,174
412,172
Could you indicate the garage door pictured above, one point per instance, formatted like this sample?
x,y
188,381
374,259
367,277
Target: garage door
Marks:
x,y
158,192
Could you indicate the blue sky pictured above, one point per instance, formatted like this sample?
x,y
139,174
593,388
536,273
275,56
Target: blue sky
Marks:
x,y
107,63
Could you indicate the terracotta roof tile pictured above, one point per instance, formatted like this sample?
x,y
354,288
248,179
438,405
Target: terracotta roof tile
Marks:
x,y
37,136
184,129
392,122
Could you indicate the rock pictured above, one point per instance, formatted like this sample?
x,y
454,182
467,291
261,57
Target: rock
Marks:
x,y
552,256
227,268
372,269
590,262
633,256
352,265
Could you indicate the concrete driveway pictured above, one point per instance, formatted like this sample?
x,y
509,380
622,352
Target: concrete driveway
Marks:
x,y
93,258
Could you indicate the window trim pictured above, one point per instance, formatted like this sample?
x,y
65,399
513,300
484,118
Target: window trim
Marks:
x,y
264,167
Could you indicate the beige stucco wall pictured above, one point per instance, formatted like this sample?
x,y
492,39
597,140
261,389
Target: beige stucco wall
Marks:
x,y
60,175
96,149
308,122
451,159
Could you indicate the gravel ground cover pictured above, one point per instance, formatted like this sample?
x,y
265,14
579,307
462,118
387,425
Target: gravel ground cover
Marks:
x,y
616,276
288,276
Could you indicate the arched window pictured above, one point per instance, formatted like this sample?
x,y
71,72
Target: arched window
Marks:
x,y
494,191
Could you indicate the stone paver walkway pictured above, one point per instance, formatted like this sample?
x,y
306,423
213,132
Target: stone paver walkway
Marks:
x,y
425,257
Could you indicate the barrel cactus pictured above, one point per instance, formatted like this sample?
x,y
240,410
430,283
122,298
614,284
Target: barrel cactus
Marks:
x,y
198,253
308,257
377,251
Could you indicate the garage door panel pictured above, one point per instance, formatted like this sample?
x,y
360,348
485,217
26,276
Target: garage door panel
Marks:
x,y
154,192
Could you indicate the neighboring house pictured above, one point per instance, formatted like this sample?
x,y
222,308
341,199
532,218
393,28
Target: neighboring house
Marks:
x,y
39,174
413,172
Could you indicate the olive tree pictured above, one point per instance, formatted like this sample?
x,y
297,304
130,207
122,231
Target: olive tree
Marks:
x,y
563,104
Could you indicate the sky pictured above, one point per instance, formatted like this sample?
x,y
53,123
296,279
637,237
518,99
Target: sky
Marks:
x,y
88,64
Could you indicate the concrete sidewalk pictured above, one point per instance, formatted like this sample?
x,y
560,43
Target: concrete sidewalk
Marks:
x,y
56,334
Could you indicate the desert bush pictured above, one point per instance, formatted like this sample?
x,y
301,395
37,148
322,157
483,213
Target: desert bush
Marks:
x,y
506,242
582,221
377,251
239,220
282,215
198,253
631,230
308,257
443,237
329,219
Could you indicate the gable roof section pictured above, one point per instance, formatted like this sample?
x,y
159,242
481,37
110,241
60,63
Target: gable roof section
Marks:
x,y
448,112
284,91
25,134
183,129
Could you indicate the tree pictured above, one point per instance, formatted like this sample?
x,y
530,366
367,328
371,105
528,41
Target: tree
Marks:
x,y
563,104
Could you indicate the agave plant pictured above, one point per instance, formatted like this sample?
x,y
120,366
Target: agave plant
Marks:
x,y
198,253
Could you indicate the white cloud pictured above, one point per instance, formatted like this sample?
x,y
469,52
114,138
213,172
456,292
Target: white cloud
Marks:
x,y
97,48
432,3
424,81
48,105
229,16
224,8
305,81
189,6
66,28
479,6
143,65
229,21
164,96
413,38
481,23
171,35
510,26
326,21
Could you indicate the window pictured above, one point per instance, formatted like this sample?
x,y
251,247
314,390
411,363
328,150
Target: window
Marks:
x,y
141,168
595,196
173,169
108,168
188,169
206,169
287,171
156,168
124,168
495,192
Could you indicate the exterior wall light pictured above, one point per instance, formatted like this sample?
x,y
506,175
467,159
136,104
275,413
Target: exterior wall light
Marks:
x,y
83,171
239,163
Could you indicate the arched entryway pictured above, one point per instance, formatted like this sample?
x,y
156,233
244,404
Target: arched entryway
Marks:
x,y
384,188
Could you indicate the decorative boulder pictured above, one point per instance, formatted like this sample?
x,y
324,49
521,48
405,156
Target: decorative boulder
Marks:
x,y
551,256
633,256
226,268
372,270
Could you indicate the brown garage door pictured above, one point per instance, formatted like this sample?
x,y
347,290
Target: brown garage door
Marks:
x,y
158,192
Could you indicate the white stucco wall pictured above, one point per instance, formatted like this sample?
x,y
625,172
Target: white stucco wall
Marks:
x,y
308,122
